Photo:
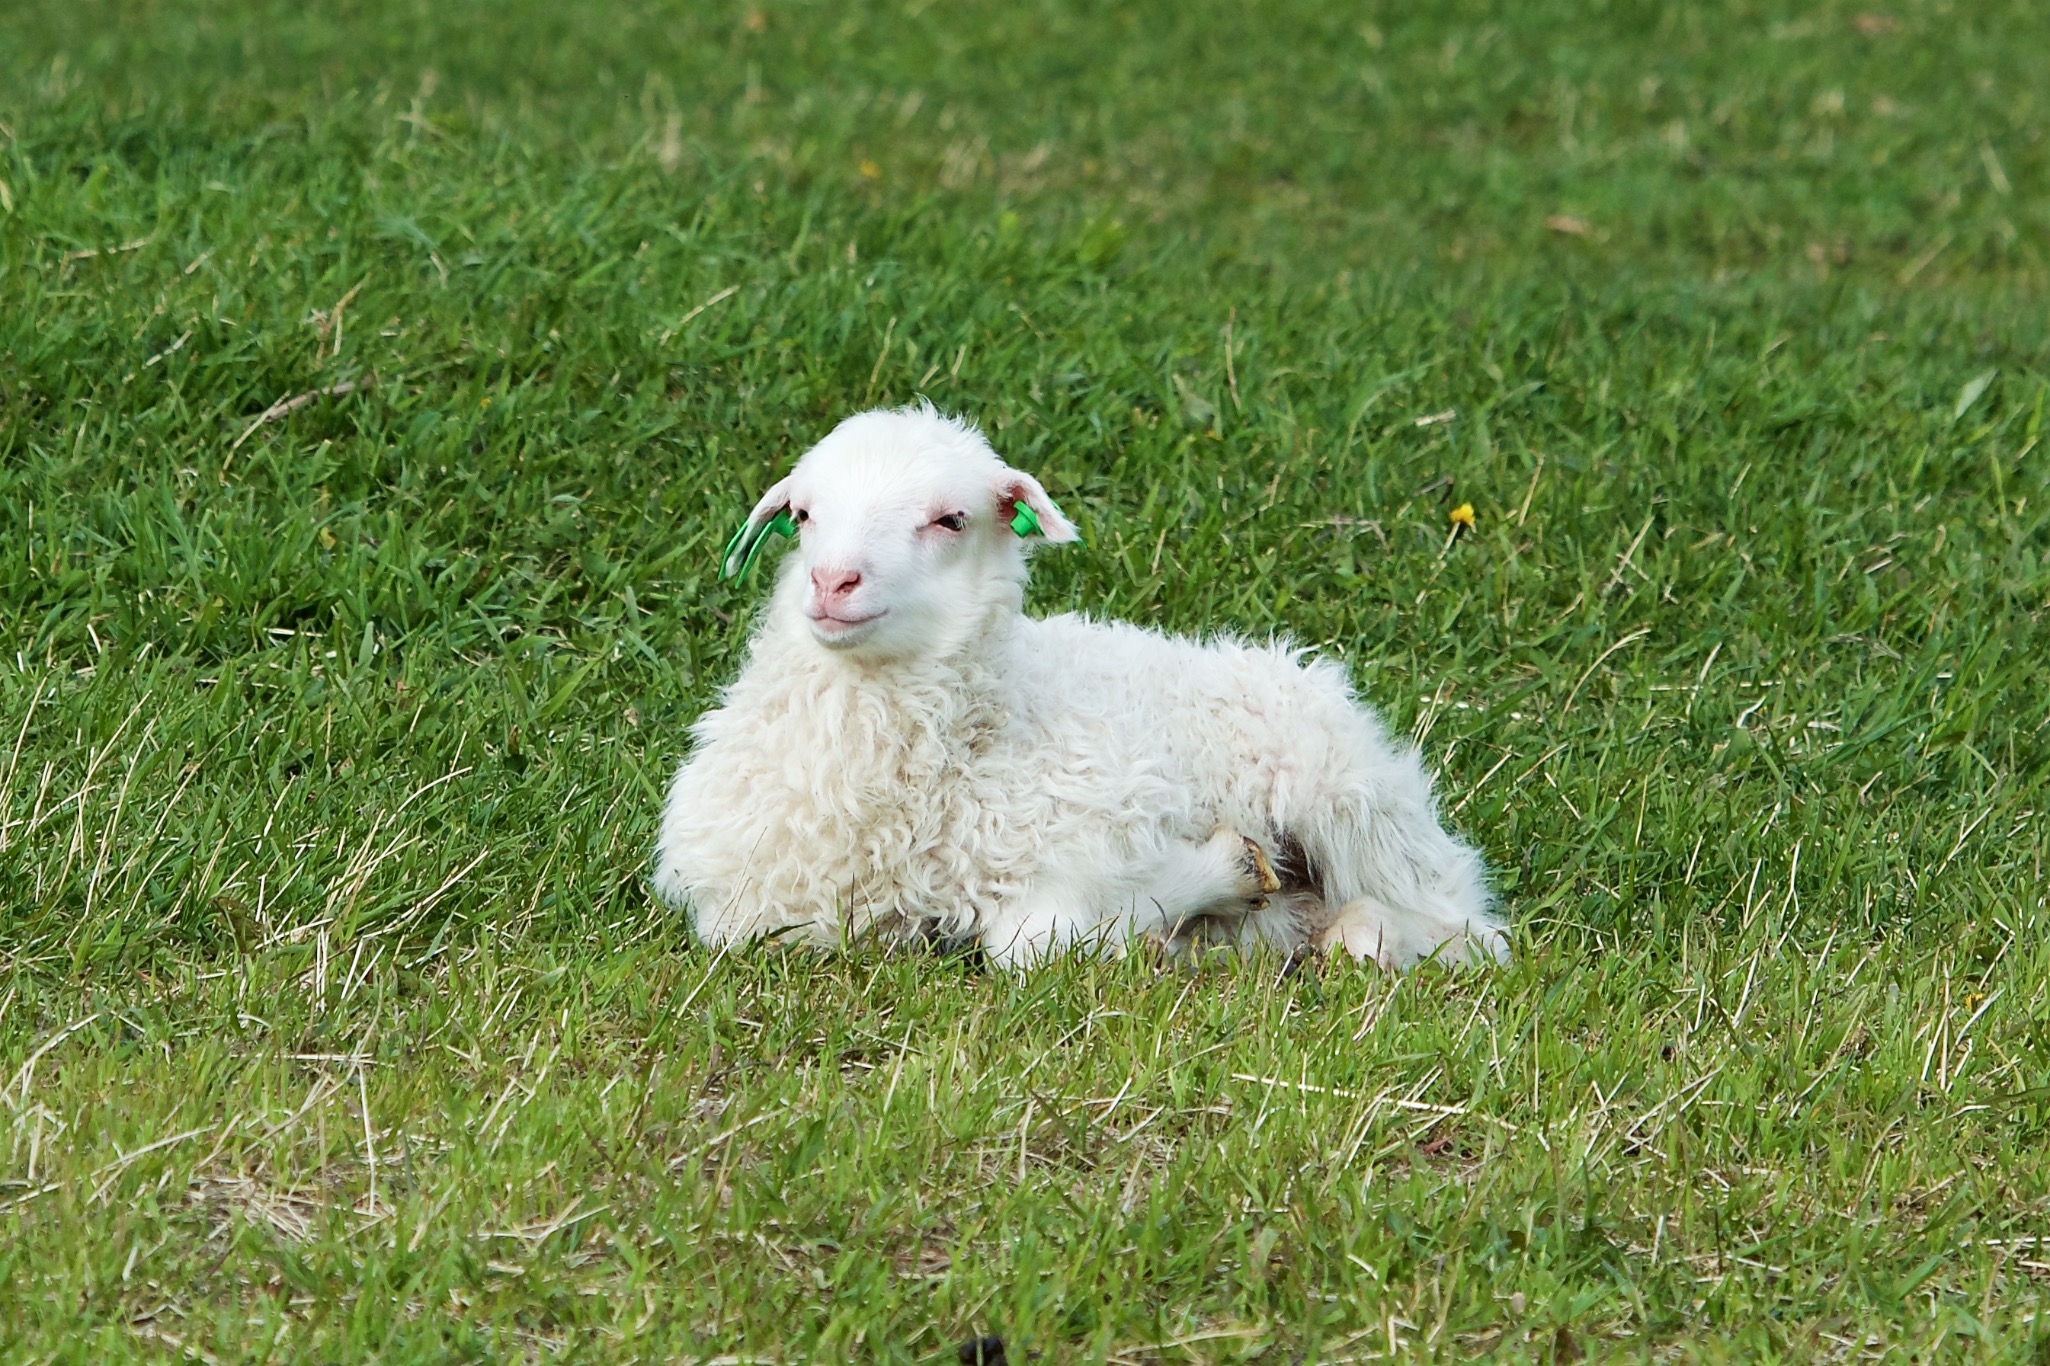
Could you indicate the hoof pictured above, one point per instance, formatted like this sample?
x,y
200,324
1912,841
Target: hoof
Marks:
x,y
1300,957
1256,877
1263,869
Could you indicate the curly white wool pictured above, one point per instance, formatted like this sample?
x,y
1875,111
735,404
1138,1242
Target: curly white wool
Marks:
x,y
905,752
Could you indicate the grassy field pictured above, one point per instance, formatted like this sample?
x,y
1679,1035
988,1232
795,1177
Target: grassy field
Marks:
x,y
378,381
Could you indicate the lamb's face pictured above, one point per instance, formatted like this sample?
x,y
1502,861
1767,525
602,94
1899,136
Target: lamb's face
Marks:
x,y
904,533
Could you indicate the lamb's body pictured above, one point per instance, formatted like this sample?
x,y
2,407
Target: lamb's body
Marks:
x,y
1047,782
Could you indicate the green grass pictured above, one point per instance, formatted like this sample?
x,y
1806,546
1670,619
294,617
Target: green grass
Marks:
x,y
337,1020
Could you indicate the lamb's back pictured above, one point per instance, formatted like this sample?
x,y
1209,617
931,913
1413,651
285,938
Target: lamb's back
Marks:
x,y
1242,730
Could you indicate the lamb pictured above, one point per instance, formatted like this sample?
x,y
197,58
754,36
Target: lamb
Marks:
x,y
906,754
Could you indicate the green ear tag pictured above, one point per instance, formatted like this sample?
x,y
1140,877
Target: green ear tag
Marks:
x,y
747,544
1026,523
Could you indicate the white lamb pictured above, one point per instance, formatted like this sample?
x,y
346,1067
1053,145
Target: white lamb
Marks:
x,y
907,754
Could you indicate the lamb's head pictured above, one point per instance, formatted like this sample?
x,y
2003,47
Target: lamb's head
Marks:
x,y
910,532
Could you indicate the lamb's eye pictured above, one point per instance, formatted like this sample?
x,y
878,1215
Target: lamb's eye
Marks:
x,y
952,521
802,516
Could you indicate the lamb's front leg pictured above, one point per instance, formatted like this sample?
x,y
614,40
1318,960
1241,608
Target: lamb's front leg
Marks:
x,y
1108,907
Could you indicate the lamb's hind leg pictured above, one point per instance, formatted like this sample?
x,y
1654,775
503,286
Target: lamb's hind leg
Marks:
x,y
1400,887
1157,898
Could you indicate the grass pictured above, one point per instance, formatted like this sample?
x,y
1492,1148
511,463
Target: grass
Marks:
x,y
378,384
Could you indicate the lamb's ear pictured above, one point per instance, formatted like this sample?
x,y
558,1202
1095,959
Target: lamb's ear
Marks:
x,y
772,513
1023,506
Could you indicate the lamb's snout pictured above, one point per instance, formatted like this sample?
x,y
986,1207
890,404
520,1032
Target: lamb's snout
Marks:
x,y
827,585
835,606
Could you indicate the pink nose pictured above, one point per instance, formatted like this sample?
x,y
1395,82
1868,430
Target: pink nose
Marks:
x,y
834,583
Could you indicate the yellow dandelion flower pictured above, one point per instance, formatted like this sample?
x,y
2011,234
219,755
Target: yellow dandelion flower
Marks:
x,y
870,171
1462,516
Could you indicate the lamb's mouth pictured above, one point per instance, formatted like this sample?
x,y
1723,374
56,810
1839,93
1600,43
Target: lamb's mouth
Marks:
x,y
844,630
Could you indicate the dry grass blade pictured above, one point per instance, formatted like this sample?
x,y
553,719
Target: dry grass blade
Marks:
x,y
297,401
